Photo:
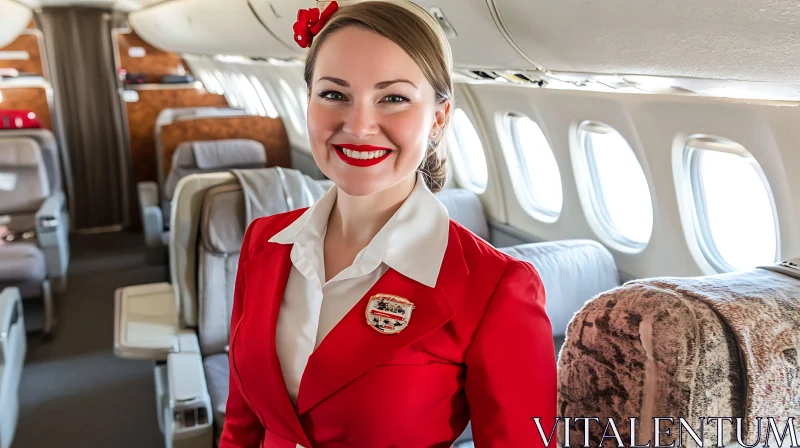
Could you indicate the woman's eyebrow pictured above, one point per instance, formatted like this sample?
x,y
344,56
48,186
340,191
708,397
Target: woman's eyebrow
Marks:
x,y
337,81
385,84
380,85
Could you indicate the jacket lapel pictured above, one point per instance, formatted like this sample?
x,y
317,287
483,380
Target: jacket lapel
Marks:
x,y
353,347
267,275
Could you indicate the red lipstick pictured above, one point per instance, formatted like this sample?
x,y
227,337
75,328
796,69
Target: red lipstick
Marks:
x,y
339,149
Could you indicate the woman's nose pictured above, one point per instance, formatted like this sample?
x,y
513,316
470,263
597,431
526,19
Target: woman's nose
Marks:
x,y
361,121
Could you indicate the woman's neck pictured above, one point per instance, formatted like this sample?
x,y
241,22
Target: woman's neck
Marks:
x,y
355,220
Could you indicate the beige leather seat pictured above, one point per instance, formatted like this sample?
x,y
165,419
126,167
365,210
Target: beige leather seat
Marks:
x,y
186,323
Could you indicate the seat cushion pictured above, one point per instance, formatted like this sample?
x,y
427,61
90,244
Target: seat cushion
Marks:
x,y
217,374
22,265
22,262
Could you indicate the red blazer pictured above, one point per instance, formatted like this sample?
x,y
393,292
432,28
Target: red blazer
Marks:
x,y
478,346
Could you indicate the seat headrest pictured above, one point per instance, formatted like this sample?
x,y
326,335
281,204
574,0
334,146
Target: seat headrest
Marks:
x,y
47,143
220,154
222,221
23,176
464,207
573,271
20,152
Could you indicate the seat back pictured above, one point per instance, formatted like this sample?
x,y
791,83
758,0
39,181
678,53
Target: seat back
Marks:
x,y
721,345
213,156
573,272
223,222
170,115
24,184
465,208
47,144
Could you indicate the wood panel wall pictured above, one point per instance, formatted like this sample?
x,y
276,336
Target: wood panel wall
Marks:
x,y
33,99
269,131
154,64
30,44
142,121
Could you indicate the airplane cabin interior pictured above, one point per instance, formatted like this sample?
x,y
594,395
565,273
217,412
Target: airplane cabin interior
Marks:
x,y
643,156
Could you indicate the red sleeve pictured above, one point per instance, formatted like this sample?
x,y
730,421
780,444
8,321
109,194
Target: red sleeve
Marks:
x,y
511,365
242,428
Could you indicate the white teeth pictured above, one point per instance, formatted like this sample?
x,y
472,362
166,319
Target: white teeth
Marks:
x,y
363,155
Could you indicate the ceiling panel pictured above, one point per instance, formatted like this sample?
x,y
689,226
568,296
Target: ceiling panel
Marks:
x,y
121,5
716,39
13,20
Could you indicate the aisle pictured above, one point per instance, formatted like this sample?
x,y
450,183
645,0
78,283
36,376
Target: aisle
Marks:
x,y
74,392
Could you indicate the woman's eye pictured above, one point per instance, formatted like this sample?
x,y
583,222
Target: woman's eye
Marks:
x,y
331,95
395,99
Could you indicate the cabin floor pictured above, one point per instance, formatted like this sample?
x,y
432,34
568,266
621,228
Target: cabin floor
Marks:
x,y
74,392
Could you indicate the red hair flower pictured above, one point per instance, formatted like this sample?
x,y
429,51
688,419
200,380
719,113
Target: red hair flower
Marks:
x,y
310,22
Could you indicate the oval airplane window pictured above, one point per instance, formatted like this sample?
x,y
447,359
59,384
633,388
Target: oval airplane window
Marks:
x,y
734,211
616,188
466,152
537,179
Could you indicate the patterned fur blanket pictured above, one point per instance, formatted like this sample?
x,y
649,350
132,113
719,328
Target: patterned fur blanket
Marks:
x,y
724,345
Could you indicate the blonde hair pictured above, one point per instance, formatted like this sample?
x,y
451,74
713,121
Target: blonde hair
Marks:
x,y
420,36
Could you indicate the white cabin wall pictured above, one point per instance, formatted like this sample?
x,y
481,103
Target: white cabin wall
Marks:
x,y
654,126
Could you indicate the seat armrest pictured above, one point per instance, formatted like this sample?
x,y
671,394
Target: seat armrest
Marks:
x,y
148,194
11,320
48,218
189,400
152,216
52,232
146,322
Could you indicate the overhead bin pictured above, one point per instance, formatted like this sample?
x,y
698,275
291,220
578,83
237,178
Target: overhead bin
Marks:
x,y
475,39
213,27
478,42
714,39
13,20
279,16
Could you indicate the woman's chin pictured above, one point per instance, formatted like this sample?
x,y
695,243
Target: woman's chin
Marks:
x,y
359,187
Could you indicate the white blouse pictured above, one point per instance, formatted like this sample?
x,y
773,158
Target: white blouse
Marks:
x,y
412,243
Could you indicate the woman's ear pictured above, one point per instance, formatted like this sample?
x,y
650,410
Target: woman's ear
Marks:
x,y
440,118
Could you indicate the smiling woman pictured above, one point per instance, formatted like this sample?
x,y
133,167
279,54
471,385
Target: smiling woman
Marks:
x,y
379,101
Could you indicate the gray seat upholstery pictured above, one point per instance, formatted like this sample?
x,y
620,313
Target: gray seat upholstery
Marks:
x,y
223,221
572,271
193,157
12,357
221,230
31,202
465,208
217,376
22,265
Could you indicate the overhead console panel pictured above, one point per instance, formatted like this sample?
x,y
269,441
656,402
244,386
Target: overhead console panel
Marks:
x,y
478,42
279,16
212,27
712,39
13,20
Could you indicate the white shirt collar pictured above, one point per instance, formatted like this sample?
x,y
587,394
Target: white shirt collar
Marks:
x,y
412,242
